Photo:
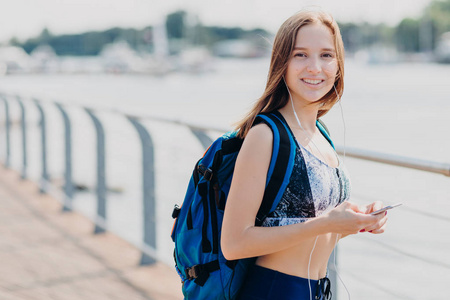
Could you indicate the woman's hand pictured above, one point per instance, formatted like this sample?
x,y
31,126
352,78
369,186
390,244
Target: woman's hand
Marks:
x,y
348,218
380,226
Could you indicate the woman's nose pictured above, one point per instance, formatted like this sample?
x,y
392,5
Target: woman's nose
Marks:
x,y
313,66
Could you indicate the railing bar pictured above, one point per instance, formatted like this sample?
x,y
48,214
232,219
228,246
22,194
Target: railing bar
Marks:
x,y
407,162
397,160
139,116
175,121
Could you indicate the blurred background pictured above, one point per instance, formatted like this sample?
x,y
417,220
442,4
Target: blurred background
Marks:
x,y
204,63
160,37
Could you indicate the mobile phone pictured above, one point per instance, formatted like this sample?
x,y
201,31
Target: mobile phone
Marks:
x,y
377,212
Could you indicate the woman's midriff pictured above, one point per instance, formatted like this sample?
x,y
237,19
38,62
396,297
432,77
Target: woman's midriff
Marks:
x,y
295,260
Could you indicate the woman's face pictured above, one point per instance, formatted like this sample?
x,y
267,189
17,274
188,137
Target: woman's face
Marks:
x,y
312,67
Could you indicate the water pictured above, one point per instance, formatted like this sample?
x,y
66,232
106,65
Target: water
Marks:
x,y
400,109
403,108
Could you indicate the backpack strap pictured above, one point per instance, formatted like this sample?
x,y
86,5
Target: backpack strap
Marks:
x,y
281,163
324,130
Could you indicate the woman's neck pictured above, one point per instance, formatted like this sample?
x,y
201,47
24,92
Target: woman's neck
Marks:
x,y
307,116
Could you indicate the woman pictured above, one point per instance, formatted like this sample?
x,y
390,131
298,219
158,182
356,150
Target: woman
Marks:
x,y
294,243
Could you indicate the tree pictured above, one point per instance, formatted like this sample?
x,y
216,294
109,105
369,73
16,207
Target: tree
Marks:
x,y
437,17
439,12
45,36
175,24
14,41
407,35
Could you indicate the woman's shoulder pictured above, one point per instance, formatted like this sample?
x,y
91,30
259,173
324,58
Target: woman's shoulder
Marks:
x,y
257,143
256,150
260,134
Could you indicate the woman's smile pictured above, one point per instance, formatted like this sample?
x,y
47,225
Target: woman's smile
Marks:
x,y
313,82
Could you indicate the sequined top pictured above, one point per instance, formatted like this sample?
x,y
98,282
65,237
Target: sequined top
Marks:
x,y
311,193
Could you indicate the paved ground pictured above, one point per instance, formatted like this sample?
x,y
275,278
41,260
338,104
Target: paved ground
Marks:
x,y
49,254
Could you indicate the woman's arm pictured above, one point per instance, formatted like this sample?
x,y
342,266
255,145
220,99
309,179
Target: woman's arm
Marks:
x,y
240,238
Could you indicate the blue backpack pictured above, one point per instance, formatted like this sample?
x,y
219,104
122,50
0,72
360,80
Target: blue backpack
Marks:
x,y
204,271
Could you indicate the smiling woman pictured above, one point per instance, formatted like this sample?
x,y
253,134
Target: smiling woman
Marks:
x,y
312,69
276,95
293,244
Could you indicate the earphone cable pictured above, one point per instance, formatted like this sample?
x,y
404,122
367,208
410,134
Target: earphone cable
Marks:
x,y
343,120
301,127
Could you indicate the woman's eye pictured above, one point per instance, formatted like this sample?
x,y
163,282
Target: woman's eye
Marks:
x,y
328,55
300,54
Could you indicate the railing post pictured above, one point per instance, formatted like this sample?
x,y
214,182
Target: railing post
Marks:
x,y
7,133
68,185
333,275
204,139
24,139
148,183
45,178
101,173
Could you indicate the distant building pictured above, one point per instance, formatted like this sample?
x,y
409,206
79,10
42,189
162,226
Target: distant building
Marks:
x,y
14,60
119,57
44,59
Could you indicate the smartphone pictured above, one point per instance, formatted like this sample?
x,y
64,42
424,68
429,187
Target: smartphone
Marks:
x,y
377,212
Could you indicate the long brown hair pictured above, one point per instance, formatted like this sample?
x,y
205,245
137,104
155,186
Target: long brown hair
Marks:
x,y
276,95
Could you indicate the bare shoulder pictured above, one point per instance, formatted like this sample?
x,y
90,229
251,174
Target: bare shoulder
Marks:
x,y
257,144
260,135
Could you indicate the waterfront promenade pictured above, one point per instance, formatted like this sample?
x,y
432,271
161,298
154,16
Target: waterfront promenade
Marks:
x,y
46,253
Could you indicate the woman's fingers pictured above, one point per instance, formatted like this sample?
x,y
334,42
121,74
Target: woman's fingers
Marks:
x,y
374,206
382,226
351,218
379,226
352,206
379,230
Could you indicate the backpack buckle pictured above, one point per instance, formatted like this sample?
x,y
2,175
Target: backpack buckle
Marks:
x,y
207,173
176,211
192,272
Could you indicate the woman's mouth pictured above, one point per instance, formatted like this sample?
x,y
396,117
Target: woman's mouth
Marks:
x,y
313,81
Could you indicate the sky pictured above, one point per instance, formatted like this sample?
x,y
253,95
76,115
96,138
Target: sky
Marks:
x,y
26,18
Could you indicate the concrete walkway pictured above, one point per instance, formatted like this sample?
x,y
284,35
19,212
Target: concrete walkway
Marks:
x,y
49,254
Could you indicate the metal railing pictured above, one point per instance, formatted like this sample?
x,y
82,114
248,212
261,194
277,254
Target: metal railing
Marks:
x,y
148,245
397,160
